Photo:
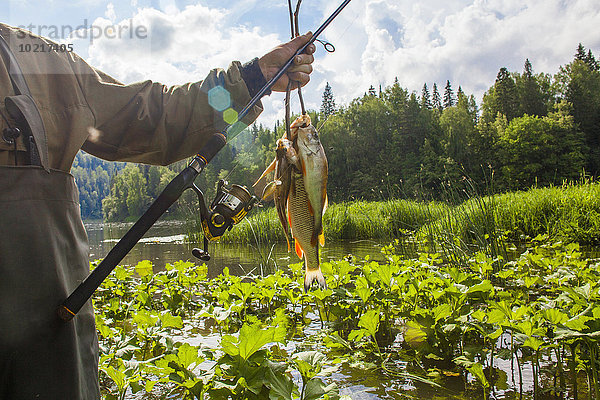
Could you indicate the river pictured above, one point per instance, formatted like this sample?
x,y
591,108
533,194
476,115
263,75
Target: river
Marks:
x,y
165,243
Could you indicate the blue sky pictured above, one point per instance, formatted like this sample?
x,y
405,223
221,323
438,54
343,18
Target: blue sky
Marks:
x,y
464,41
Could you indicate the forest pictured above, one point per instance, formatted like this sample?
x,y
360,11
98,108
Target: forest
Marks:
x,y
531,129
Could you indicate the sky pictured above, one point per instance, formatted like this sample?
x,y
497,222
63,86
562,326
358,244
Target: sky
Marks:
x,y
376,41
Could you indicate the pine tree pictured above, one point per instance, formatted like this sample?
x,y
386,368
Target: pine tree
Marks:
x,y
372,91
506,94
425,97
591,61
448,96
462,101
580,55
328,104
437,100
530,94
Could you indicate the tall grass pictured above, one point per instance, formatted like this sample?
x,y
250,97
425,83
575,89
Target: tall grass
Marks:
x,y
348,220
570,212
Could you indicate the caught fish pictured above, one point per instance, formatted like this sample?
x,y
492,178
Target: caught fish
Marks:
x,y
303,226
313,165
285,161
299,189
308,199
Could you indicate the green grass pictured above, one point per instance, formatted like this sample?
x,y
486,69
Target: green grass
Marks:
x,y
570,212
351,220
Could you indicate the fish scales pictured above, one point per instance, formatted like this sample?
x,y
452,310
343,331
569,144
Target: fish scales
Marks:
x,y
302,225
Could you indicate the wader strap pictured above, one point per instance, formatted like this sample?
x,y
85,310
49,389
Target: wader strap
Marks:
x,y
23,110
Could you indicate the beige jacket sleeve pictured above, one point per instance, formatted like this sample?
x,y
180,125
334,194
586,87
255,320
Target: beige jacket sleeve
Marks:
x,y
151,123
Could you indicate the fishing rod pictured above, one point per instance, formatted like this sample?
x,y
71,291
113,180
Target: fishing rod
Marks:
x,y
228,208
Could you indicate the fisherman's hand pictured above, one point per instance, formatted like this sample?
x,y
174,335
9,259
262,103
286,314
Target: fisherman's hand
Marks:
x,y
299,71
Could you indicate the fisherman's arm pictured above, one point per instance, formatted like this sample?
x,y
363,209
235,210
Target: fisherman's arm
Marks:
x,y
155,124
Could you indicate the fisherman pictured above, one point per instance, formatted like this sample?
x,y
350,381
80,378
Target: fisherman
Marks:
x,y
53,104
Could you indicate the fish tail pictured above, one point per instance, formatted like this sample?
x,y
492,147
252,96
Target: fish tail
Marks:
x,y
312,275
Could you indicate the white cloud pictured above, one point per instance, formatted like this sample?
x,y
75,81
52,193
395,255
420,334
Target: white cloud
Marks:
x,y
466,42
110,12
176,46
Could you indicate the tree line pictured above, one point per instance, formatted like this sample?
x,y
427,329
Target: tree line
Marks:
x,y
530,129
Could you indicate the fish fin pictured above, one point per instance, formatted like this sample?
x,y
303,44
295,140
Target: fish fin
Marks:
x,y
310,209
298,248
312,275
322,239
270,168
316,236
325,203
302,168
289,216
269,191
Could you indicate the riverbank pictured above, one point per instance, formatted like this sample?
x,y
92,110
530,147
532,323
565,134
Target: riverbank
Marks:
x,y
570,212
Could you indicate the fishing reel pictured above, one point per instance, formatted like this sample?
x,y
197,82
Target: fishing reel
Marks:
x,y
229,207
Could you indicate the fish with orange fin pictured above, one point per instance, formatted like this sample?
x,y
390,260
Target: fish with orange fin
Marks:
x,y
314,168
285,161
307,199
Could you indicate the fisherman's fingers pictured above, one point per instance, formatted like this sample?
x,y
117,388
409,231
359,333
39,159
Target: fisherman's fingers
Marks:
x,y
300,73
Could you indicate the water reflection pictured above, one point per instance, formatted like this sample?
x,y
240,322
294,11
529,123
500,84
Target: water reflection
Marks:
x,y
164,243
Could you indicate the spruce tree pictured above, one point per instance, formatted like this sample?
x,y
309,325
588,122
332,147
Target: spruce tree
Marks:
x,y
425,97
328,104
580,54
448,96
591,61
437,100
372,91
531,99
505,91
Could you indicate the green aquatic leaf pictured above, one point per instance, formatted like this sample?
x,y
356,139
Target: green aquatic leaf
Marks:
x,y
145,319
370,321
555,316
188,355
415,334
169,320
529,281
309,363
321,294
316,389
479,315
281,385
364,293
457,275
483,287
533,342
505,273
144,268
495,334
477,371
251,338
442,311
121,274
579,323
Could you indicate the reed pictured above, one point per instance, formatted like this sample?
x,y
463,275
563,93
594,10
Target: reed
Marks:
x,y
348,220
570,212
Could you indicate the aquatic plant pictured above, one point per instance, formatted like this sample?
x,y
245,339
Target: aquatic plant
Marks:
x,y
175,333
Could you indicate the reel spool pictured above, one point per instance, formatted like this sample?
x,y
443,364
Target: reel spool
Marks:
x,y
229,207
